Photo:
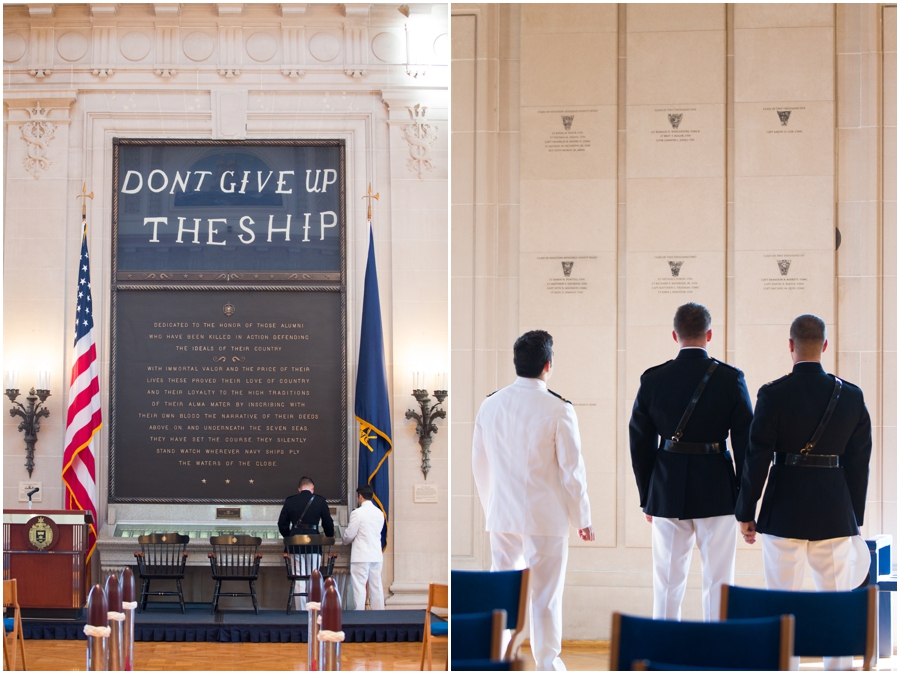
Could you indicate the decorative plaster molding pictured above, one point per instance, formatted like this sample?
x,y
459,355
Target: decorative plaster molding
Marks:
x,y
293,10
41,51
233,9
104,50
357,10
166,51
37,135
231,50
41,11
103,10
168,9
420,137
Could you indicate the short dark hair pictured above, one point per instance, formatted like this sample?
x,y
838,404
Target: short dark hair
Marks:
x,y
691,321
808,333
531,352
306,482
366,492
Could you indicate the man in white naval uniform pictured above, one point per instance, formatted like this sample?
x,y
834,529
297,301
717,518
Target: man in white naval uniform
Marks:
x,y
366,558
526,457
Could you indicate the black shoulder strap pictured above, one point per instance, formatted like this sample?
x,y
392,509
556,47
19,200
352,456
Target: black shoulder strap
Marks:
x,y
690,408
825,419
308,503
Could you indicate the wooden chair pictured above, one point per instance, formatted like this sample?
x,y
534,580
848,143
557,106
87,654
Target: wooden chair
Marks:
x,y
477,640
303,554
162,557
234,558
829,624
11,600
438,597
764,644
480,591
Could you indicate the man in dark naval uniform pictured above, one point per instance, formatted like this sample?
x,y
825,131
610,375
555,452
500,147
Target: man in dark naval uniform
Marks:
x,y
301,514
687,482
816,495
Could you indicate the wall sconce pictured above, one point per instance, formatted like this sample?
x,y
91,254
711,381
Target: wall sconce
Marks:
x,y
31,415
425,427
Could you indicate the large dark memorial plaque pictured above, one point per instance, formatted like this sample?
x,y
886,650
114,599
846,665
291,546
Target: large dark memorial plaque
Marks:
x,y
228,345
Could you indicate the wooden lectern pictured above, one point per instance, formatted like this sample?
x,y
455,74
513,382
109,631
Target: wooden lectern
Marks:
x,y
45,550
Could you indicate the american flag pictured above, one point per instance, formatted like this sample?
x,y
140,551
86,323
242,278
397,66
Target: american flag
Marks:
x,y
83,420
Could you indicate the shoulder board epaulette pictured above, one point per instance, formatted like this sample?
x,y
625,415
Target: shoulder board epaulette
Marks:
x,y
722,362
559,396
490,394
776,381
846,383
656,367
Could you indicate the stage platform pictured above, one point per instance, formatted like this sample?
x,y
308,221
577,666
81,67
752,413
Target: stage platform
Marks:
x,y
270,626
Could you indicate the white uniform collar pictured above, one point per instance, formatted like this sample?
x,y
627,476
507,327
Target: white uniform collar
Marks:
x,y
528,382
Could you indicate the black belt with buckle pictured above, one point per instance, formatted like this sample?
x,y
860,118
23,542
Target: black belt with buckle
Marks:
x,y
807,460
692,447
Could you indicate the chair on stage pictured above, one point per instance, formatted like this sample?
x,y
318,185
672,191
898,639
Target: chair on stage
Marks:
x,y
829,624
478,641
305,553
12,631
757,644
162,557
234,558
434,631
483,591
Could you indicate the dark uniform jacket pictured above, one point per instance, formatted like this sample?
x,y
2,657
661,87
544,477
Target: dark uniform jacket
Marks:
x,y
289,523
689,486
805,502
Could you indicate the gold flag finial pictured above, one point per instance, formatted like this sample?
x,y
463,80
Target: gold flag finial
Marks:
x,y
84,195
370,196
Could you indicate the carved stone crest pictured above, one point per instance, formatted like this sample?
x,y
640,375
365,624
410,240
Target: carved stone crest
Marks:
x,y
675,119
567,267
420,137
784,116
37,134
783,266
675,266
567,121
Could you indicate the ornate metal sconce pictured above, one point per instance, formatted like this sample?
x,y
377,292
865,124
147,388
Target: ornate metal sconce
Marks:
x,y
426,428
31,418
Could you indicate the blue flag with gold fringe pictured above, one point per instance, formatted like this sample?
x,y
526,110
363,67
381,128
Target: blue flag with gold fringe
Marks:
x,y
373,410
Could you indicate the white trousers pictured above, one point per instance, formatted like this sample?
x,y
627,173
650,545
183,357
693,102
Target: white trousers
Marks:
x,y
784,562
303,565
673,543
546,557
360,574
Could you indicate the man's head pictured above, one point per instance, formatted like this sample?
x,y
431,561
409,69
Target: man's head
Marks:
x,y
692,325
306,484
807,341
533,354
364,493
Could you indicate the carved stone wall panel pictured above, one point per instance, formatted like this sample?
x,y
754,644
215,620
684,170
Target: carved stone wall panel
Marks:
x,y
104,50
41,63
135,45
262,46
324,46
198,46
14,47
167,51
231,50
293,50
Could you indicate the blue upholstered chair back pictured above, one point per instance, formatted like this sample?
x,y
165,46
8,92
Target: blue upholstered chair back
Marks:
x,y
827,623
483,591
758,644
471,636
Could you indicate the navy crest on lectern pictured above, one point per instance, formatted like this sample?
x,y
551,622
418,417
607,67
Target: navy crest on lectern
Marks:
x,y
567,267
567,121
675,266
784,116
783,266
675,119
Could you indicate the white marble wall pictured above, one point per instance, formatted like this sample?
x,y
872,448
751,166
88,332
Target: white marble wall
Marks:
x,y
238,71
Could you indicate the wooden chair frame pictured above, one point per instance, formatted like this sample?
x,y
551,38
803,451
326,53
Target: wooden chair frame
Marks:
x,y
784,654
11,600
238,563
870,657
518,635
438,597
162,557
327,568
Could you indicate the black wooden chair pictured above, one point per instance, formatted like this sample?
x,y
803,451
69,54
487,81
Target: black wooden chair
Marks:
x,y
162,557
234,558
305,553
